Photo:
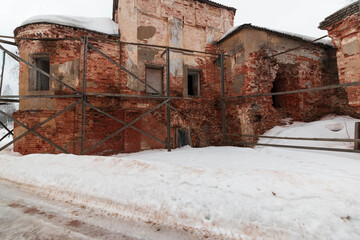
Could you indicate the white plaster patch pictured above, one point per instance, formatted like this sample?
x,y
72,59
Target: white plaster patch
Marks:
x,y
176,67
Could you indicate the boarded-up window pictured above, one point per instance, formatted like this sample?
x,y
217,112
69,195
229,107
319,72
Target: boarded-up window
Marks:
x,y
154,78
37,80
193,80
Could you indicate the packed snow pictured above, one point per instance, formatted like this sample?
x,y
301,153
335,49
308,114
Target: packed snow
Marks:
x,y
101,25
325,41
328,127
223,192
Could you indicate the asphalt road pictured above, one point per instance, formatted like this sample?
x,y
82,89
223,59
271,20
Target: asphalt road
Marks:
x,y
25,215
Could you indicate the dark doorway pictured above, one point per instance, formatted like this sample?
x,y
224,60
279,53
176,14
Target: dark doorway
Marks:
x,y
193,83
183,138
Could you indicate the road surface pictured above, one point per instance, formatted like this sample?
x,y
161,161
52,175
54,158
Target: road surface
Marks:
x,y
25,215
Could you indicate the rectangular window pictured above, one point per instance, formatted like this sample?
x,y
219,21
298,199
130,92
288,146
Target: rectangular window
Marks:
x,y
193,83
38,81
154,78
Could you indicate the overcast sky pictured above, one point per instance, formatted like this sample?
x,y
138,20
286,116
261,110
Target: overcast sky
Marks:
x,y
295,16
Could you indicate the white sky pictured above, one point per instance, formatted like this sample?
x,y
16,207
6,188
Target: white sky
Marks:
x,y
295,16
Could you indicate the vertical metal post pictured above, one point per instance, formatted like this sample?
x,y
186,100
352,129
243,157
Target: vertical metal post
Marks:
x,y
357,136
223,107
169,143
83,114
2,72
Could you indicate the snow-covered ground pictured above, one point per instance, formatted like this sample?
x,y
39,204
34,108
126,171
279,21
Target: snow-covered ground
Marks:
x,y
221,192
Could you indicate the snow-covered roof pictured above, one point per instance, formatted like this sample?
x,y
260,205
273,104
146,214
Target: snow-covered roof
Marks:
x,y
296,36
101,25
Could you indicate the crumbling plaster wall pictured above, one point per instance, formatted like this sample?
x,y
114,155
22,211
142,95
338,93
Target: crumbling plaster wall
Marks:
x,y
345,36
184,24
250,71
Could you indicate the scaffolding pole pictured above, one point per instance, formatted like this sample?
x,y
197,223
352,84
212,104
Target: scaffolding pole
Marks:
x,y
2,72
168,112
223,107
83,105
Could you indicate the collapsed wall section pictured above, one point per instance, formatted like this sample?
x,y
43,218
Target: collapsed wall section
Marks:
x,y
251,70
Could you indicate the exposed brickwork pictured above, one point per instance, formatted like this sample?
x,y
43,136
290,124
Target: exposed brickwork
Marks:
x,y
186,24
345,36
250,71
200,115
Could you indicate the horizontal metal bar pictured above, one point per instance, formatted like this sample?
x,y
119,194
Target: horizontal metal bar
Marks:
x,y
112,40
130,96
8,101
155,46
5,97
343,85
7,42
40,39
38,69
293,49
298,138
153,97
296,147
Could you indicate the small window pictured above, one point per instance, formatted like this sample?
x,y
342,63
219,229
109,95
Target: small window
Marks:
x,y
183,137
193,80
39,81
154,78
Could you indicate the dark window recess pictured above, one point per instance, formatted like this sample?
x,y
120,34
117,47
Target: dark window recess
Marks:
x,y
193,84
154,78
39,81
182,138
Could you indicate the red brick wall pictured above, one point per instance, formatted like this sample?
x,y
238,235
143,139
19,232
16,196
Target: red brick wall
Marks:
x,y
253,72
345,36
201,115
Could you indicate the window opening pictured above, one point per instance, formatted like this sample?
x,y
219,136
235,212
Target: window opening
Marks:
x,y
39,81
193,83
154,77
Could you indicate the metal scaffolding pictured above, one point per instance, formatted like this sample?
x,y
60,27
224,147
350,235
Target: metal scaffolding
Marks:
x,y
81,97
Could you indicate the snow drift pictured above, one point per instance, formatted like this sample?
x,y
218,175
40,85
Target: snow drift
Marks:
x,y
223,192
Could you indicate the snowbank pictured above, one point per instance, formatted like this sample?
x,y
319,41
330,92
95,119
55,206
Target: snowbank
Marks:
x,y
226,192
101,25
328,127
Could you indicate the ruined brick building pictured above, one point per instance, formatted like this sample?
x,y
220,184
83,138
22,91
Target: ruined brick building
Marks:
x,y
344,29
195,32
